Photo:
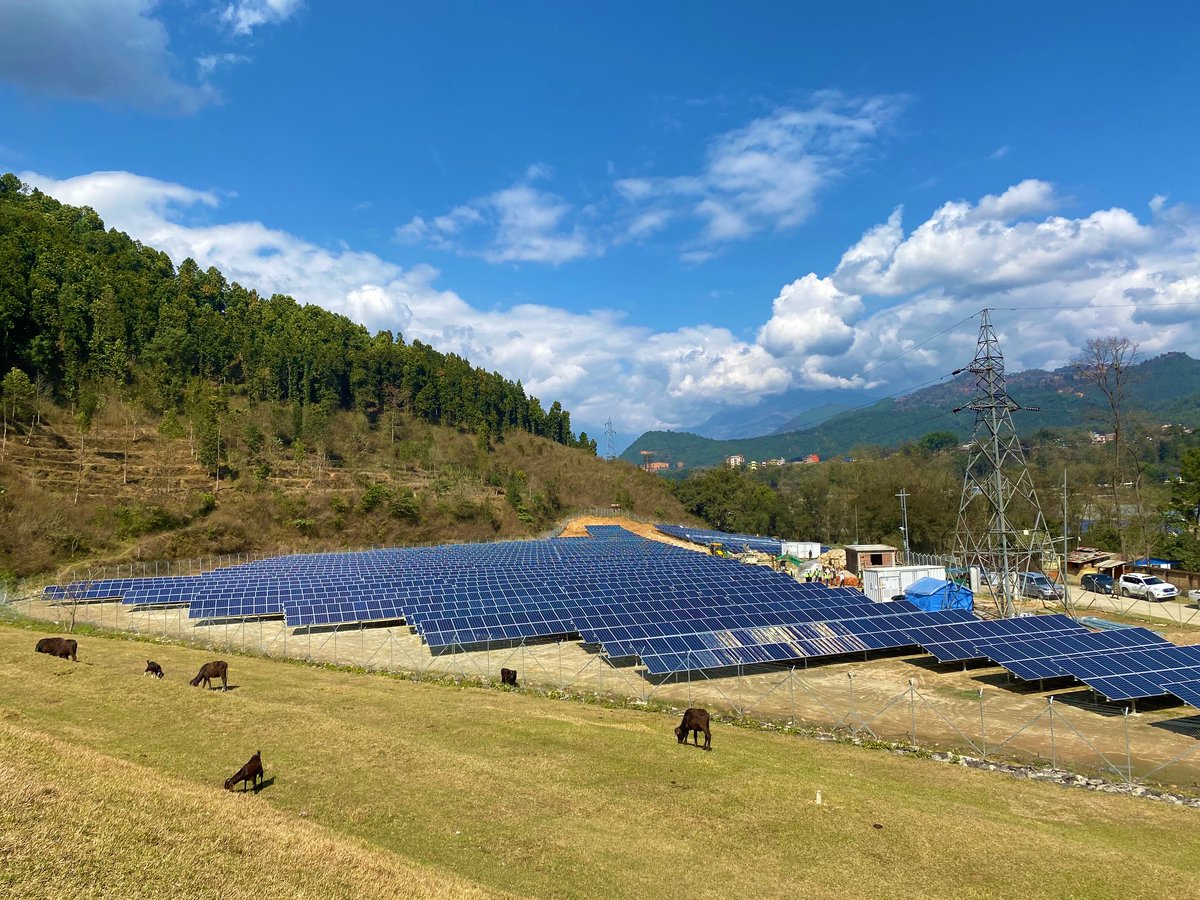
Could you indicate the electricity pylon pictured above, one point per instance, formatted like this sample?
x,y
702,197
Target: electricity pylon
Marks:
x,y
1001,529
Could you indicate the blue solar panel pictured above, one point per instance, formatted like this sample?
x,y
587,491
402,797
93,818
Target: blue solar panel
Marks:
x,y
1042,657
681,653
1136,673
960,643
735,542
1187,691
614,588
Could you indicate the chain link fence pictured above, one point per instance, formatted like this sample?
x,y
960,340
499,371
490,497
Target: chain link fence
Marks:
x,y
976,713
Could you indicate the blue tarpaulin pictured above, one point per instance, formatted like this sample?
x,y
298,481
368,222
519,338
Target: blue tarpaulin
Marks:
x,y
932,594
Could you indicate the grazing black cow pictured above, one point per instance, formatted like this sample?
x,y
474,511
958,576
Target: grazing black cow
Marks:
x,y
210,670
63,648
508,676
251,772
695,721
153,668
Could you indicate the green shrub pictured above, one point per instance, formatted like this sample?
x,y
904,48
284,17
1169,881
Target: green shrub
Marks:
x,y
373,497
404,505
134,521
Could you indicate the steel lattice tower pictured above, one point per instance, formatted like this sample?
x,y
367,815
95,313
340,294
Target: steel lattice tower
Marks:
x,y
611,439
997,489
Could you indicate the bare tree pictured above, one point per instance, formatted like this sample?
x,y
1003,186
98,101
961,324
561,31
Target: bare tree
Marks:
x,y
1106,364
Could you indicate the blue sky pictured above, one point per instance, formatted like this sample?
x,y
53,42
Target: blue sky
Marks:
x,y
649,214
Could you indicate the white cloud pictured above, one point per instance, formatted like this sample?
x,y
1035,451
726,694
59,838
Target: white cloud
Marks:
x,y
811,317
769,173
243,16
107,50
206,65
1133,278
965,248
523,223
764,175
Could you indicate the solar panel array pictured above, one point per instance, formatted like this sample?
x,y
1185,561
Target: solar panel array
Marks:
x,y
734,542
675,610
1125,664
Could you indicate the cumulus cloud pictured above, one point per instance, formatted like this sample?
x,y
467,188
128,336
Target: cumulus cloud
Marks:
x,y
992,246
521,223
107,50
873,322
811,317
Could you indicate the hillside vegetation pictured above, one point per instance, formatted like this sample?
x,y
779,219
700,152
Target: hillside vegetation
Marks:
x,y
131,488
111,775
155,412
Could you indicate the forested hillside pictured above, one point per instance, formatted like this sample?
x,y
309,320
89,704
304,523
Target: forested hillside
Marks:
x,y
85,311
152,413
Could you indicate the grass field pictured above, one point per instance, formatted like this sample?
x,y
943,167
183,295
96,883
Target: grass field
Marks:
x,y
110,785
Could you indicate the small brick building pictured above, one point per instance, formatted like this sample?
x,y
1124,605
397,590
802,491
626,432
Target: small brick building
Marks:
x,y
868,556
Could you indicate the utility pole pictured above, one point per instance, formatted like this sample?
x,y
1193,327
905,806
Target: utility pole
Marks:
x,y
904,495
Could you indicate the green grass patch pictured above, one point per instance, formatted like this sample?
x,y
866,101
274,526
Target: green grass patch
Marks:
x,y
519,793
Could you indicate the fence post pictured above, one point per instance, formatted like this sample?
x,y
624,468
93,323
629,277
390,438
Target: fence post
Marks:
x,y
1053,749
982,729
792,694
912,711
1128,755
850,712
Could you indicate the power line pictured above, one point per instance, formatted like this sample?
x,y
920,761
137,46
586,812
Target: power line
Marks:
x,y
918,346
1092,306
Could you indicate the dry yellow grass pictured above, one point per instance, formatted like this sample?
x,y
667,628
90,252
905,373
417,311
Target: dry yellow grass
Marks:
x,y
76,823
524,794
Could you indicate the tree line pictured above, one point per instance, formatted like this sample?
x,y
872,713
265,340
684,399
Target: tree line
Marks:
x,y
1154,512
85,311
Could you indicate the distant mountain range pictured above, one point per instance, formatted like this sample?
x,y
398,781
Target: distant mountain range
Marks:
x,y
789,411
1166,388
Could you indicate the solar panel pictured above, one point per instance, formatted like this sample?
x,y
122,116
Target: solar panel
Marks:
x,y
614,588
1136,673
681,653
736,542
961,642
1042,657
1187,691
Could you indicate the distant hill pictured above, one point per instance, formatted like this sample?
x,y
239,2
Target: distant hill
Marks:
x,y
1166,389
788,411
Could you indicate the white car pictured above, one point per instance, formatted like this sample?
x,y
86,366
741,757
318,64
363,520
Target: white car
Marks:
x,y
1147,587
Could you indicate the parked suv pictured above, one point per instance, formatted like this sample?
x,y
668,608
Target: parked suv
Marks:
x,y
1097,583
1147,587
1037,585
